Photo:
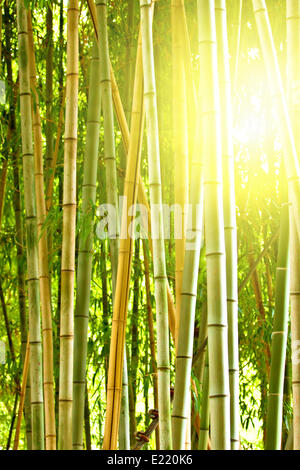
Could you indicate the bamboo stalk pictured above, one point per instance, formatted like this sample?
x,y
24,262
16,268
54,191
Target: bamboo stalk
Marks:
x,y
204,420
214,230
13,418
49,91
151,336
277,92
130,52
293,75
22,396
68,236
109,142
124,426
84,270
229,218
44,281
31,230
160,277
49,191
279,335
18,218
134,357
0,33
180,147
184,351
3,178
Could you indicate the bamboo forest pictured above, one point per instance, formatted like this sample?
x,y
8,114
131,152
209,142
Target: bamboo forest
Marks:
x,y
150,225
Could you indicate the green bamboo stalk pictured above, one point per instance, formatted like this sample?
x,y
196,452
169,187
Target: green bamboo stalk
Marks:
x,y
130,51
124,426
84,270
151,335
284,123
290,440
37,415
18,218
49,91
279,335
157,228
68,235
287,394
87,425
204,419
134,359
293,77
109,134
214,229
50,430
180,144
184,351
229,218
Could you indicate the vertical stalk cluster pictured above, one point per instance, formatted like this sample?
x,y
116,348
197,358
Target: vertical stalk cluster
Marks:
x,y
180,145
49,91
109,134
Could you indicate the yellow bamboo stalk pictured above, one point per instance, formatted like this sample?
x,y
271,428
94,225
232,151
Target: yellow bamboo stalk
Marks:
x,y
36,388
68,236
3,178
114,388
180,146
293,76
49,192
50,431
142,197
22,396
